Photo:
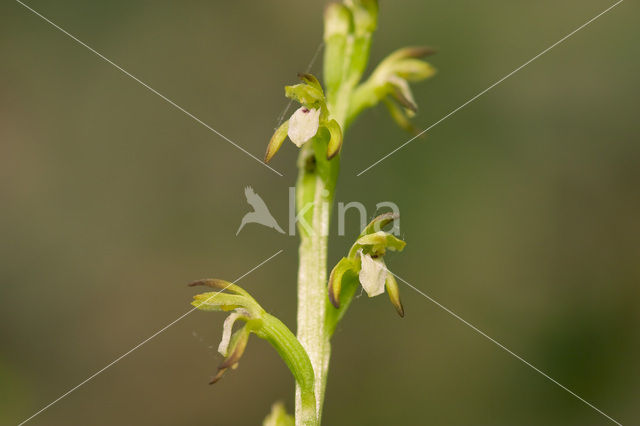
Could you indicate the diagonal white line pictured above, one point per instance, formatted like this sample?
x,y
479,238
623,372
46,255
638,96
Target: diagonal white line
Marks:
x,y
492,86
142,343
501,346
150,88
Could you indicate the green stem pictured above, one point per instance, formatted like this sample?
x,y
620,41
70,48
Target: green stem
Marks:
x,y
315,193
345,59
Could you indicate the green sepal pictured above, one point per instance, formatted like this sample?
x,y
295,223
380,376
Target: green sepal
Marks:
x,y
378,242
305,94
409,52
349,285
217,301
335,278
335,141
412,69
312,81
379,222
222,285
276,141
394,293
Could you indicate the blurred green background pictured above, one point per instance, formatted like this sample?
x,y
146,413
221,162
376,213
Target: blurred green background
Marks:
x,y
520,213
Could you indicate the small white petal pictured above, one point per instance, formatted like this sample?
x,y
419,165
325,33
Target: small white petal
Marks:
x,y
372,274
303,125
227,327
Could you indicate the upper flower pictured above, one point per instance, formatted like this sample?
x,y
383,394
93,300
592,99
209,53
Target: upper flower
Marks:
x,y
389,84
307,120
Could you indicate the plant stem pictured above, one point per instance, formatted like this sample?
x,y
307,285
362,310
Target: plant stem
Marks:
x,y
314,190
345,59
317,189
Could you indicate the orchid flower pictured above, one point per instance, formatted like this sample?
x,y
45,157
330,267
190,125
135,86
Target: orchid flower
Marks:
x,y
366,259
308,120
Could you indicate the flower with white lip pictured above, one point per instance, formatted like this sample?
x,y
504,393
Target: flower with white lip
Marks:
x,y
306,121
366,259
227,328
303,125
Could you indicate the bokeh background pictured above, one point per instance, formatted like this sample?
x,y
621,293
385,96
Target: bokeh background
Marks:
x,y
520,213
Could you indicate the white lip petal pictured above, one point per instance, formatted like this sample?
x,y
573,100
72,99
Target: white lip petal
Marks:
x,y
227,327
303,125
373,275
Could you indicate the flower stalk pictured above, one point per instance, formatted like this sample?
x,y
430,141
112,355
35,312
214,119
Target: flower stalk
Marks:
x,y
317,128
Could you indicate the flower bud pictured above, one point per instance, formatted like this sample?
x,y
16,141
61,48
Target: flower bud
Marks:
x,y
338,25
337,21
365,15
278,416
